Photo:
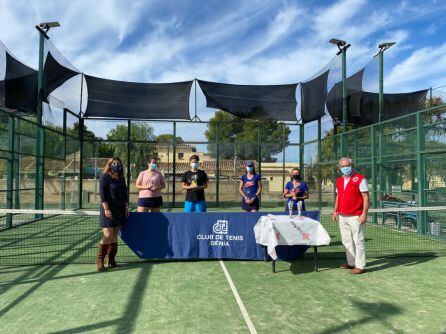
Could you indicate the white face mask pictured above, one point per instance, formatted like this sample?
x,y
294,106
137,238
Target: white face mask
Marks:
x,y
194,165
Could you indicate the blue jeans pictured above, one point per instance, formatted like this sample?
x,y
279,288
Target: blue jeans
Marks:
x,y
199,206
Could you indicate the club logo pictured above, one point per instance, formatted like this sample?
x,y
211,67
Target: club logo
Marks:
x,y
355,179
220,227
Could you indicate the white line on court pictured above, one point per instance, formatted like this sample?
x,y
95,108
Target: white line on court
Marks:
x,y
245,314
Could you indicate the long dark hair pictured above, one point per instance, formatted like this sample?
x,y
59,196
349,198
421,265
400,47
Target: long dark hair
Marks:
x,y
108,171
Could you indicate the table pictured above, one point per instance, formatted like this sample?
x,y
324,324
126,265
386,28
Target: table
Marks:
x,y
274,230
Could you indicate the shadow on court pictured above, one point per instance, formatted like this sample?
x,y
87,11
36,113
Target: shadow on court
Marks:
x,y
372,312
128,320
391,262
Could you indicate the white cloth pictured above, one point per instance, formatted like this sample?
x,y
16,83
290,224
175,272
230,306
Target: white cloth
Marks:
x,y
352,234
272,231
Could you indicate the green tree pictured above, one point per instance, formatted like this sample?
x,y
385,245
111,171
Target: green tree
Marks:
x,y
240,137
139,152
167,138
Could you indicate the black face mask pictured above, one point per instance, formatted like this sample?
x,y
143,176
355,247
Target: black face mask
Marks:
x,y
296,177
116,168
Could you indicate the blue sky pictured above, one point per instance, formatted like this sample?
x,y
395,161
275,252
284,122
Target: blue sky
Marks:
x,y
247,42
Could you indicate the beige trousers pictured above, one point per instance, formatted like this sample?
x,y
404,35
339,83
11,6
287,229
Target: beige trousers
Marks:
x,y
352,234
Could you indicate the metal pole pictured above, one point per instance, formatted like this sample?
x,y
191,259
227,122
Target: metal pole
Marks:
x,y
283,155
81,148
421,161
17,166
129,148
381,85
9,194
63,189
302,148
373,162
259,154
344,103
40,131
174,149
382,181
319,170
217,170
81,160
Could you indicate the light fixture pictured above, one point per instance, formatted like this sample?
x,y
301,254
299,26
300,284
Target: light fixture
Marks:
x,y
384,46
48,25
342,45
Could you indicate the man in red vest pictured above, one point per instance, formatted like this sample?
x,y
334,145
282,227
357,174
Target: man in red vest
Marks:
x,y
351,205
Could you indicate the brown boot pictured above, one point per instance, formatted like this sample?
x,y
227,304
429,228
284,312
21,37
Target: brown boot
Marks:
x,y
111,252
102,250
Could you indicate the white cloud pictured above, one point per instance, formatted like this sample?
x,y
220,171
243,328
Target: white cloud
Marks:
x,y
423,68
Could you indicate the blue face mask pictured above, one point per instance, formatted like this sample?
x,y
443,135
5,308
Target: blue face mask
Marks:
x,y
153,166
346,170
115,167
194,165
249,169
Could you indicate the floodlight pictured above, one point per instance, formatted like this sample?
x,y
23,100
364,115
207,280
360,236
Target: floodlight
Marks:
x,y
48,25
338,42
384,46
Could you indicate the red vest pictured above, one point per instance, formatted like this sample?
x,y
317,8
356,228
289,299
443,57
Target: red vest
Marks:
x,y
350,201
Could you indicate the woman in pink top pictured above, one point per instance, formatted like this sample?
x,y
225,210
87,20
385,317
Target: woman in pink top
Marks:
x,y
150,183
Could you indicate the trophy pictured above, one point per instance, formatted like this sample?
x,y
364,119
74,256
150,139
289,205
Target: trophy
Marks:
x,y
299,209
152,182
194,181
290,208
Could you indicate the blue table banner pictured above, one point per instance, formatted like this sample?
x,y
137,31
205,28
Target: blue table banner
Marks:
x,y
209,235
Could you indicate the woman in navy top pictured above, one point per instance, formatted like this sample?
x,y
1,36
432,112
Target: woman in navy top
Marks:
x,y
250,188
295,190
114,210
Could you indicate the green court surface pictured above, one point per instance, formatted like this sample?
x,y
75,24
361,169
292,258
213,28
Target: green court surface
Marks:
x,y
397,295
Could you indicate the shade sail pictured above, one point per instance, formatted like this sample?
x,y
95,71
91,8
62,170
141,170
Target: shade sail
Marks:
x,y
131,100
267,102
20,86
354,90
54,75
313,96
395,105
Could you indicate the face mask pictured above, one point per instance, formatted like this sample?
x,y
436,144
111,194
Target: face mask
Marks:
x,y
116,168
194,165
249,169
346,170
153,166
296,177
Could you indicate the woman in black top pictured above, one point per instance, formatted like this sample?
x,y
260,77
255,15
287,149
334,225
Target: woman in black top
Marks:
x,y
114,210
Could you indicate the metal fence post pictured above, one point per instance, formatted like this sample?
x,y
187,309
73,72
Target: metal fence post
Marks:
x,y
10,180
129,155
217,169
39,132
421,161
174,169
259,154
319,167
373,162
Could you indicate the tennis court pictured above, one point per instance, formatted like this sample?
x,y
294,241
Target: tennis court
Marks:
x,y
401,294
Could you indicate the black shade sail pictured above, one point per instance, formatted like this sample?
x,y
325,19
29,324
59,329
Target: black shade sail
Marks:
x,y
395,105
313,96
54,75
131,100
20,86
268,102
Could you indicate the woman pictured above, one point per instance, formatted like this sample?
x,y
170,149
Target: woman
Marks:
x,y
295,190
114,210
250,188
150,183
